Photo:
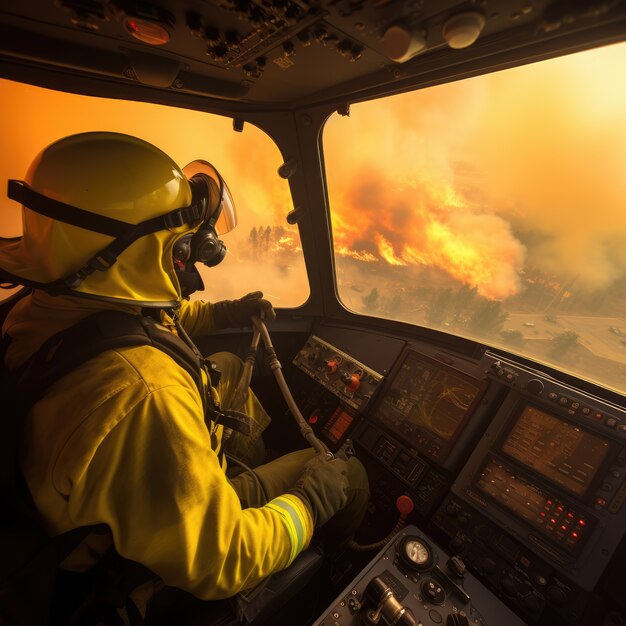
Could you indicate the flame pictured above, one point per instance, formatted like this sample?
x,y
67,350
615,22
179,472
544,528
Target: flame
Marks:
x,y
470,179
386,251
366,257
428,224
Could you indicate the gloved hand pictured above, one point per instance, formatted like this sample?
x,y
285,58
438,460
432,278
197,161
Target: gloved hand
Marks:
x,y
237,313
323,487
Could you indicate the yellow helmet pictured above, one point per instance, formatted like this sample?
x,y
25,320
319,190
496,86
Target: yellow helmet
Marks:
x,y
101,213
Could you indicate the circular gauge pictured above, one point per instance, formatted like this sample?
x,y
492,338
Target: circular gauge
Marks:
x,y
416,553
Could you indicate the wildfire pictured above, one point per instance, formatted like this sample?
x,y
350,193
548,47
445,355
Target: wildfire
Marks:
x,y
430,225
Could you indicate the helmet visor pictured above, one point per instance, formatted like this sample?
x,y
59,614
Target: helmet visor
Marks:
x,y
220,203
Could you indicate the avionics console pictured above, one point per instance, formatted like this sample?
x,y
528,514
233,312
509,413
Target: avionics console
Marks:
x,y
539,507
412,582
422,424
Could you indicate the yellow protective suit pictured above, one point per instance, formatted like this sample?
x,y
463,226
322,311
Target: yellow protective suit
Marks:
x,y
122,441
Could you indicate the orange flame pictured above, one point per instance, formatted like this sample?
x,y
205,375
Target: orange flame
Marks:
x,y
428,224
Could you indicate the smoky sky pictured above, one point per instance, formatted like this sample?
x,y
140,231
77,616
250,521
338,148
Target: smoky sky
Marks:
x,y
483,177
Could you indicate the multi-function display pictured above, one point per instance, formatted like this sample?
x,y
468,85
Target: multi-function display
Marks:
x,y
557,449
551,516
426,404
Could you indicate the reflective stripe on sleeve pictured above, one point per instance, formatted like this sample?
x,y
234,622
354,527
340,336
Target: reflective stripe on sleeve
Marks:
x,y
289,509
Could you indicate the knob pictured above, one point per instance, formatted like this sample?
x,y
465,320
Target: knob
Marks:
x,y
509,587
534,386
532,603
557,595
355,382
456,566
432,591
405,505
457,619
331,366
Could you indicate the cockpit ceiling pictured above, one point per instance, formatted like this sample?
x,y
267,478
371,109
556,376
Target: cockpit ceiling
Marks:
x,y
292,53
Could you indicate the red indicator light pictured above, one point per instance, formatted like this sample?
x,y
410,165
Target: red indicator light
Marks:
x,y
560,508
313,419
153,33
542,514
553,521
575,535
570,515
581,522
549,501
563,527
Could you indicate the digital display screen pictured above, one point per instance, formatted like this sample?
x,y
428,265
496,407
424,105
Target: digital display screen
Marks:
x,y
337,425
426,404
557,449
552,517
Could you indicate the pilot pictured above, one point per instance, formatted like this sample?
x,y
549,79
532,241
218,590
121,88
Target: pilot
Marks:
x,y
125,439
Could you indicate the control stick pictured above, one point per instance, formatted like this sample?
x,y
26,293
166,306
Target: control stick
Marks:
x,y
379,594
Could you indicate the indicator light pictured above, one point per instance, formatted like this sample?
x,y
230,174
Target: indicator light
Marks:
x,y
152,33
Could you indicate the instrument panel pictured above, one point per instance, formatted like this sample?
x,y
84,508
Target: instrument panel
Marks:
x,y
521,475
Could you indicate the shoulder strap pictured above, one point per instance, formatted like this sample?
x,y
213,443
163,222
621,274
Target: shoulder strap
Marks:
x,y
105,330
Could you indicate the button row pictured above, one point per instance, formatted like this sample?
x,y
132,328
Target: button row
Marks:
x,y
574,406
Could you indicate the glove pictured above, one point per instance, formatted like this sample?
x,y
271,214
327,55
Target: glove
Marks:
x,y
237,313
323,487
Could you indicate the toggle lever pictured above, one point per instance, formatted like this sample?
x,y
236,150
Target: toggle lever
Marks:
x,y
388,608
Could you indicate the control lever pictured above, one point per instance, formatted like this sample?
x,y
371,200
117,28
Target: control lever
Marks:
x,y
388,608
346,450
405,506
241,391
457,590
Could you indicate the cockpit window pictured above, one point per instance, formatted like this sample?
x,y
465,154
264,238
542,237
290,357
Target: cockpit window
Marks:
x,y
264,251
493,208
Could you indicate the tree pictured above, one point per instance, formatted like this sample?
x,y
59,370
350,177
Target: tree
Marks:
x,y
462,301
439,306
254,240
487,316
563,342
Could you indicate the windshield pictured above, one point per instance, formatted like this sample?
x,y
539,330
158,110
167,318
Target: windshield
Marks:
x,y
264,251
493,208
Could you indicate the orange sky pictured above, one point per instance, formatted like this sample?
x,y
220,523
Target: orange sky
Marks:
x,y
31,118
477,178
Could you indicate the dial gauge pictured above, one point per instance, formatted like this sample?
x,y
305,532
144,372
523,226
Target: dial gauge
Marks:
x,y
416,553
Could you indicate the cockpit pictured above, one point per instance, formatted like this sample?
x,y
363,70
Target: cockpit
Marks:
x,y
432,196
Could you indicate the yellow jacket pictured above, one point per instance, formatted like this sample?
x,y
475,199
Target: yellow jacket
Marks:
x,y
122,441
